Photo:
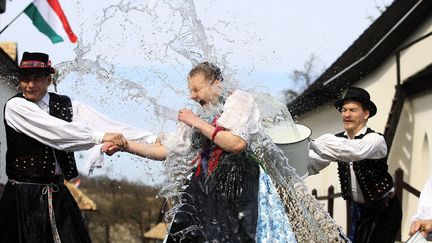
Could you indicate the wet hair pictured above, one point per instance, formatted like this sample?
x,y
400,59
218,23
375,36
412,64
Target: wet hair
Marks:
x,y
211,72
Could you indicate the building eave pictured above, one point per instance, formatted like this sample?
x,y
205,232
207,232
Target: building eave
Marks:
x,y
419,82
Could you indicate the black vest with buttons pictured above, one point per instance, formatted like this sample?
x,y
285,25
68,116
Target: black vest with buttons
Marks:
x,y
372,176
27,157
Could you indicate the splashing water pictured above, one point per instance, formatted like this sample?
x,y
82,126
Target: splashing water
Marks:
x,y
136,55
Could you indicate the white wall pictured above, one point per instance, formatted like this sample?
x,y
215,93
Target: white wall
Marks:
x,y
411,149
418,55
6,91
412,146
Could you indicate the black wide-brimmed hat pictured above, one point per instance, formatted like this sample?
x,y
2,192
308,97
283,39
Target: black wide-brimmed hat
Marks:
x,y
359,95
35,63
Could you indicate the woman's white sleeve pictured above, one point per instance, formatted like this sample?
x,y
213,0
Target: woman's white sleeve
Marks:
x,y
241,115
424,209
179,141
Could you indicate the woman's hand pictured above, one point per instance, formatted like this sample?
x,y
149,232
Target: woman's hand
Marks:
x,y
109,148
188,117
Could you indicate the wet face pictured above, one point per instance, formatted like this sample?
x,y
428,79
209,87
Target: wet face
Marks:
x,y
35,86
203,91
354,117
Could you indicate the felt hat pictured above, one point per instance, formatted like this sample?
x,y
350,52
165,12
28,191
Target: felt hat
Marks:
x,y
35,63
359,95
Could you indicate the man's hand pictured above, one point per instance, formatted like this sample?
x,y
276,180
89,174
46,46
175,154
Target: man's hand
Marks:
x,y
425,226
110,148
116,138
188,117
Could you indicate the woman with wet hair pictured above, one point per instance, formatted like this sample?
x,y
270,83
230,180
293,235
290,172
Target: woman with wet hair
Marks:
x,y
230,182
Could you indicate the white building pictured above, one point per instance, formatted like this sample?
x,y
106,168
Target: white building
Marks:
x,y
8,88
392,60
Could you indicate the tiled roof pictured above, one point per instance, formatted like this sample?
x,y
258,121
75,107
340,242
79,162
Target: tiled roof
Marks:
x,y
158,232
7,69
83,201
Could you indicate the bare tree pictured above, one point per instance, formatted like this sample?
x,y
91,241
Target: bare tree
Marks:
x,y
380,8
303,78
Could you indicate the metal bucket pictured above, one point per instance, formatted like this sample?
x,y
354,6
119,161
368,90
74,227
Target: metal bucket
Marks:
x,y
293,140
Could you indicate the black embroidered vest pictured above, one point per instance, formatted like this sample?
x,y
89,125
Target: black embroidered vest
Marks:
x,y
372,176
27,157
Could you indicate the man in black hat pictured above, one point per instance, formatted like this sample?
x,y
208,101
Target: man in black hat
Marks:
x,y
361,155
42,131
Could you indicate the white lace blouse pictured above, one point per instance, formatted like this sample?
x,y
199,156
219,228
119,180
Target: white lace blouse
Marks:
x,y
241,115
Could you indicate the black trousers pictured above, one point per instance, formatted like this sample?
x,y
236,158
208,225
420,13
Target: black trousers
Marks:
x,y
376,222
24,215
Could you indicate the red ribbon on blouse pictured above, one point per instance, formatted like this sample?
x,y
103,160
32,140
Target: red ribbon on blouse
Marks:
x,y
215,153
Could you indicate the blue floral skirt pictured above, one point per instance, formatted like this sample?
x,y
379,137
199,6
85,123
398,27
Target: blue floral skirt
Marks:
x,y
273,224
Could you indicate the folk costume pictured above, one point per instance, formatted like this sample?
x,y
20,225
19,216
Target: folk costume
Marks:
x,y
36,206
363,173
254,196
41,136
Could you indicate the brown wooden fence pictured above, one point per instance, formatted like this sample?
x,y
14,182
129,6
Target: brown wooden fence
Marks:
x,y
399,184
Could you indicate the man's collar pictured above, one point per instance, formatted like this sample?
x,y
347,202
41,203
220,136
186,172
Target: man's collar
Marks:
x,y
362,131
45,99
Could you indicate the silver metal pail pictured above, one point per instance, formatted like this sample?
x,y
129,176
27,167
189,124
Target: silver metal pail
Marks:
x,y
293,140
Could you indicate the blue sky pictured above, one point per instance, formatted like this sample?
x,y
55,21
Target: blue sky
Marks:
x,y
136,52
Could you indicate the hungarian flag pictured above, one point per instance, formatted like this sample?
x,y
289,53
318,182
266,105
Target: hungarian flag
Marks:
x,y
49,18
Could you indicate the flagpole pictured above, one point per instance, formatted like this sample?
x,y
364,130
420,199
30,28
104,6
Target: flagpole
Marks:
x,y
11,22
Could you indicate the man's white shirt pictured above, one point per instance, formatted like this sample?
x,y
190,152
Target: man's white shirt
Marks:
x,y
84,132
329,148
